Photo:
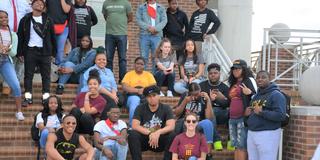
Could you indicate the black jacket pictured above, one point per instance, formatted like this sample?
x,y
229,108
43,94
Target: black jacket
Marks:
x,y
174,28
247,98
49,42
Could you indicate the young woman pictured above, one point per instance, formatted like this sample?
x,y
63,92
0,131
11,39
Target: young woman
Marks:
x,y
8,49
165,62
242,87
87,105
77,62
190,137
49,119
191,67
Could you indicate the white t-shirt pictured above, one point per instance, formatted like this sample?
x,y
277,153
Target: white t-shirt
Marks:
x,y
153,21
35,39
104,129
52,121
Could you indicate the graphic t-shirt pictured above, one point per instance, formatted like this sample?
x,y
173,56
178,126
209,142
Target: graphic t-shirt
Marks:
x,y
104,130
236,105
190,67
166,62
66,148
197,106
186,146
153,120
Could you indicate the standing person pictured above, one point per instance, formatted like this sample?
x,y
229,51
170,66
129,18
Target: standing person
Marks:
x,y
16,9
36,45
62,144
117,13
190,144
165,61
76,63
242,87
152,126
176,27
219,93
110,137
267,110
81,18
199,23
134,83
151,18
8,49
191,66
58,10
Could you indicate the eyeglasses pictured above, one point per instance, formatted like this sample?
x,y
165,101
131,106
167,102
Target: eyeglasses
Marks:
x,y
73,123
115,113
193,121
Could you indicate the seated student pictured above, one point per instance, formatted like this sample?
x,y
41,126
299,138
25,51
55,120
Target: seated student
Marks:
x,y
78,60
88,105
180,146
110,137
49,119
165,61
62,144
108,89
191,66
199,103
133,84
152,126
219,93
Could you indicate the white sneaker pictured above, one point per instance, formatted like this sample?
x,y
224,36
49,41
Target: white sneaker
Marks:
x,y
19,116
161,94
169,93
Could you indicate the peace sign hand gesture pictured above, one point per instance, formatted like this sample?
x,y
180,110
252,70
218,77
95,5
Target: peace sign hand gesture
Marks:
x,y
245,89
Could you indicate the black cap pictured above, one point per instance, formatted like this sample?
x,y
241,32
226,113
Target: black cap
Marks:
x,y
239,63
151,89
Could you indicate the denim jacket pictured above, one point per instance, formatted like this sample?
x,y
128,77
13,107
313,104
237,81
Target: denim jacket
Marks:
x,y
144,20
87,60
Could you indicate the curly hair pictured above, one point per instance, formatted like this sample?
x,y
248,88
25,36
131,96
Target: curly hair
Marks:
x,y
46,110
246,73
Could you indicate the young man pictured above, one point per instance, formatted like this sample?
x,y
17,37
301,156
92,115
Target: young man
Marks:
x,y
199,23
110,137
62,144
152,126
36,45
151,18
117,13
218,92
176,27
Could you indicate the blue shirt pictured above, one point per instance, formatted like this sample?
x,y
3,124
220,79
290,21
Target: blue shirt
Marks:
x,y
107,79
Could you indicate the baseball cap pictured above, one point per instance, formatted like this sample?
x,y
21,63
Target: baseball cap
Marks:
x,y
239,63
151,89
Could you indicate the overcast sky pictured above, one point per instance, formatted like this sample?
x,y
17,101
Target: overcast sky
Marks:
x,y
297,14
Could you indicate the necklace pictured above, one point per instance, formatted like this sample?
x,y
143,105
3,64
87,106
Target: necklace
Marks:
x,y
214,85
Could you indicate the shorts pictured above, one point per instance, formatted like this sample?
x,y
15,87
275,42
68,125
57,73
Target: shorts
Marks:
x,y
238,133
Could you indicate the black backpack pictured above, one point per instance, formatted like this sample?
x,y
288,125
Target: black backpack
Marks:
x,y
34,130
285,122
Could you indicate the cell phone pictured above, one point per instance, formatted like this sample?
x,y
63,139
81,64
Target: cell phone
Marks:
x,y
215,90
169,70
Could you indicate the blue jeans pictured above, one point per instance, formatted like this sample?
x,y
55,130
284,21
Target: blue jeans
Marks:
x,y
43,137
60,42
221,118
63,78
238,133
120,42
9,75
181,86
119,151
149,42
132,103
161,78
208,129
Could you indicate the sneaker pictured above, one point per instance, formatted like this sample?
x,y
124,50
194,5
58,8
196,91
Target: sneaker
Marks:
x,y
59,90
45,97
169,93
161,94
218,146
230,147
209,157
26,102
6,90
19,116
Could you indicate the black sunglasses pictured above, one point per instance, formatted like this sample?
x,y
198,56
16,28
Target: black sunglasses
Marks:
x,y
193,121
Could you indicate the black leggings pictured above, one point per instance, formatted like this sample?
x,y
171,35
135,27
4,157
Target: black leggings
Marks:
x,y
85,121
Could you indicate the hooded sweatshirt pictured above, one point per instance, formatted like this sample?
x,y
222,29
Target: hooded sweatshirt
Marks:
x,y
273,109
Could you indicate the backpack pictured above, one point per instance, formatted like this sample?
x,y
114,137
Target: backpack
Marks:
x,y
34,130
285,122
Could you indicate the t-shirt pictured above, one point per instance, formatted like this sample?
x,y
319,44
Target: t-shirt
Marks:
x,y
197,106
132,79
166,62
116,16
98,102
153,120
186,146
35,39
236,105
52,121
85,17
104,130
223,88
55,11
190,66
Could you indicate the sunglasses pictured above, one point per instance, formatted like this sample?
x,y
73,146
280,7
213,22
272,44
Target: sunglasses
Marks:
x,y
73,123
193,121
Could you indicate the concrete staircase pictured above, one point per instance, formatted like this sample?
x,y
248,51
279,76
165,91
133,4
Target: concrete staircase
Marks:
x,y
15,139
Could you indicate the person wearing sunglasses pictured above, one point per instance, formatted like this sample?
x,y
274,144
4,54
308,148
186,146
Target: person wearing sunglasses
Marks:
x,y
190,144
62,144
195,101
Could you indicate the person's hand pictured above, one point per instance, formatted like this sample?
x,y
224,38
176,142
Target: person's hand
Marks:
x,y
122,141
245,89
191,79
21,59
66,70
213,95
204,36
140,91
107,152
205,96
154,139
82,110
152,30
188,99
165,72
248,111
185,79
257,109
114,97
